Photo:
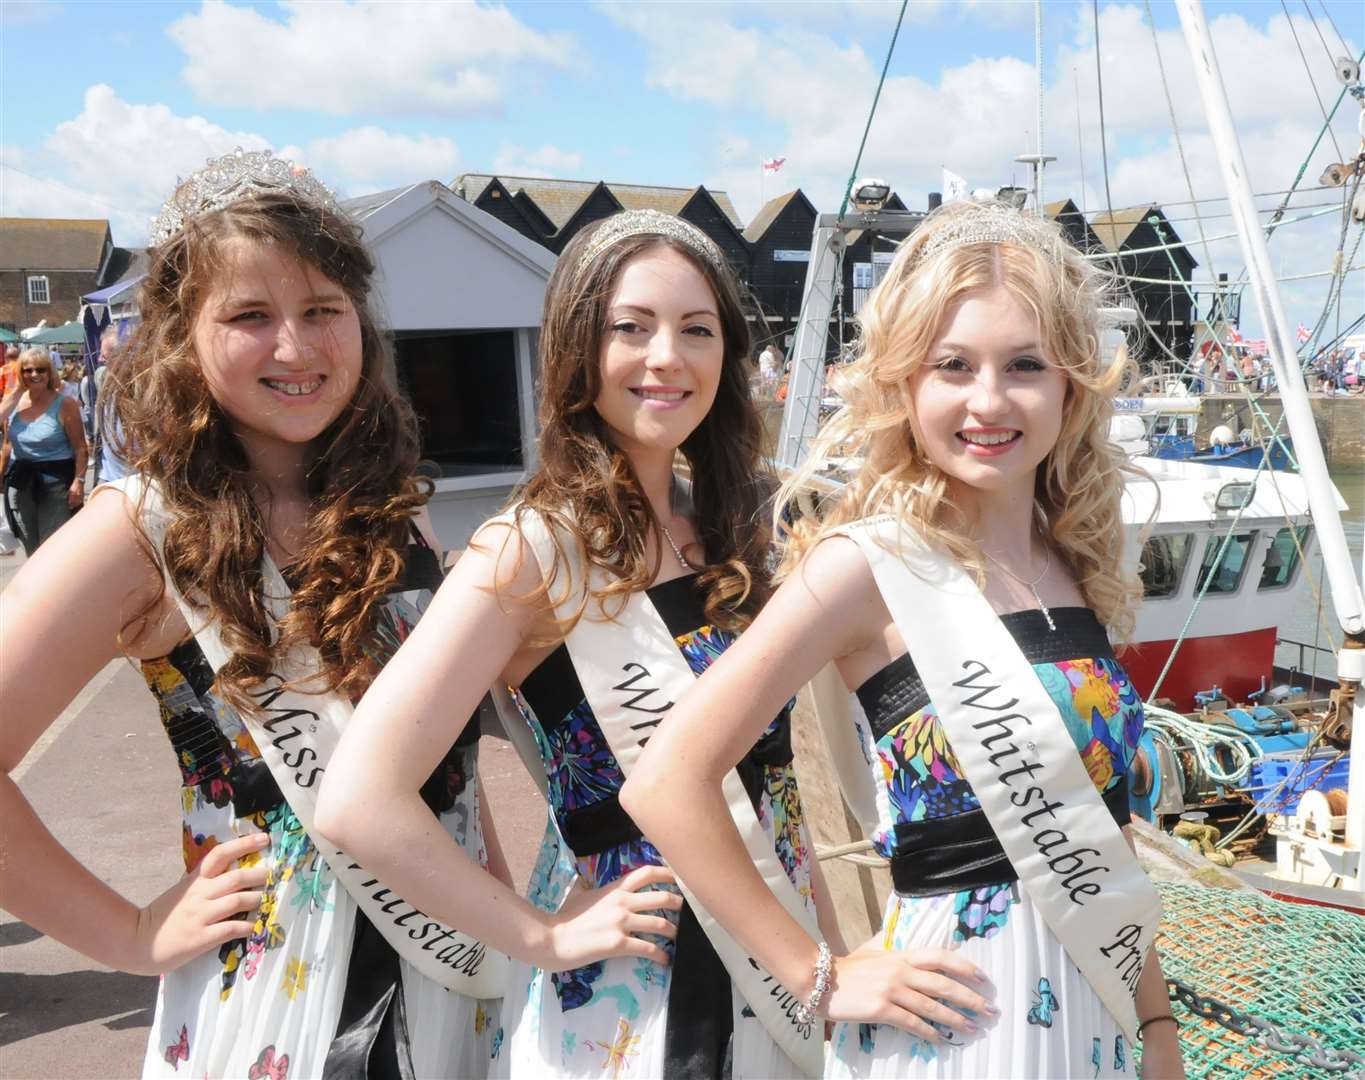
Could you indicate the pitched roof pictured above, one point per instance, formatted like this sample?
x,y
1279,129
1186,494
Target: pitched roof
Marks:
x,y
52,243
769,212
559,200
1115,229
364,205
126,263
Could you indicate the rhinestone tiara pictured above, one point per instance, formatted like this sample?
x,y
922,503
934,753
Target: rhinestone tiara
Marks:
x,y
649,222
235,176
962,224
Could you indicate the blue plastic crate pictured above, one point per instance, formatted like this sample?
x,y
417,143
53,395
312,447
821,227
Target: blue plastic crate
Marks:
x,y
1322,772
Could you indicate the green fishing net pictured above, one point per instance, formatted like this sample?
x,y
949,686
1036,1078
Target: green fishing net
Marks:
x,y
1287,979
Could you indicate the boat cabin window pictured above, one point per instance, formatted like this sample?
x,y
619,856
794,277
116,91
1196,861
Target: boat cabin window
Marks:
x,y
1163,564
1180,426
1282,557
1226,576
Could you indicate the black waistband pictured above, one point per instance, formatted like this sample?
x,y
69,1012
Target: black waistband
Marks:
x,y
603,825
960,852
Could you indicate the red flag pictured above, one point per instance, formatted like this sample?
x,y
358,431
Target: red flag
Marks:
x,y
773,164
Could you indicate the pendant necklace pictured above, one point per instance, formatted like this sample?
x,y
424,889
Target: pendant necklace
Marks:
x,y
674,508
676,550
1032,586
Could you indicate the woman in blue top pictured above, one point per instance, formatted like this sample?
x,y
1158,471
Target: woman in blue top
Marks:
x,y
44,454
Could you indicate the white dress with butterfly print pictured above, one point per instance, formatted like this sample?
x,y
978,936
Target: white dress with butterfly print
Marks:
x,y
266,1008
1052,1024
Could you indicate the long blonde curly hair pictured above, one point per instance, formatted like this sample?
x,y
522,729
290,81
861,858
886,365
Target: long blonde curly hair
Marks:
x,y
1080,482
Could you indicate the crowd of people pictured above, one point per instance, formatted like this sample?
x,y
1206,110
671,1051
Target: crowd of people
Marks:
x,y
643,612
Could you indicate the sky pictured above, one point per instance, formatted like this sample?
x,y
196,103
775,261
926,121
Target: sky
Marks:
x,y
103,105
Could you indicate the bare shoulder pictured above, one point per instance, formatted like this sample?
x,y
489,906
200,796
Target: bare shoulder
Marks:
x,y
835,575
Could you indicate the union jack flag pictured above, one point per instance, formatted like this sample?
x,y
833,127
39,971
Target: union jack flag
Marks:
x,y
774,163
1304,334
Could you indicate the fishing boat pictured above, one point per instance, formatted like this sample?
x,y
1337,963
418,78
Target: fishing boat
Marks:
x,y
1166,426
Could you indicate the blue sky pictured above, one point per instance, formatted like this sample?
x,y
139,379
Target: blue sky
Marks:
x,y
103,104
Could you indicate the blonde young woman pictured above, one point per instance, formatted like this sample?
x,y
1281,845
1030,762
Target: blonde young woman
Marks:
x,y
961,586
44,454
601,594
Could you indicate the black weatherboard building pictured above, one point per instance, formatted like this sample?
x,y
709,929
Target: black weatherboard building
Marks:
x,y
551,212
771,256
1163,301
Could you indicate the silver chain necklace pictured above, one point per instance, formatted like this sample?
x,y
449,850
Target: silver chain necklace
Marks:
x,y
676,550
1032,586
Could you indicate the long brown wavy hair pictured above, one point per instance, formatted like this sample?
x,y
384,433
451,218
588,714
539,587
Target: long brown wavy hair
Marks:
x,y
585,485
1079,484
361,484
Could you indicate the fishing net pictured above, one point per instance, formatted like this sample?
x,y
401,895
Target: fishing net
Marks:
x,y
1286,980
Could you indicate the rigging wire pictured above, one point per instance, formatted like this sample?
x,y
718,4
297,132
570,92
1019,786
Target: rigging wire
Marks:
x,y
1224,198
1303,165
812,403
1328,209
1308,70
1346,49
1185,168
1331,60
857,161
1099,85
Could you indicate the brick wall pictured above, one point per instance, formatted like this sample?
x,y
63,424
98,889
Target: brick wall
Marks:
x,y
65,288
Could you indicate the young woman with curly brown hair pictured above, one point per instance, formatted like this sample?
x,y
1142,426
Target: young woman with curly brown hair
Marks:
x,y
266,558
609,584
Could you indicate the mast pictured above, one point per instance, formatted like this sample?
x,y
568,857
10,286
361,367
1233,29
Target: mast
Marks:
x,y
1346,589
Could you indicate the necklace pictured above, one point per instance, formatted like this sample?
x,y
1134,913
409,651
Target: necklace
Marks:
x,y
1032,586
676,550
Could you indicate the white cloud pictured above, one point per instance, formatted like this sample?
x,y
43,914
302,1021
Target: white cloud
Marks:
x,y
814,89
370,157
120,160
345,58
115,159
545,161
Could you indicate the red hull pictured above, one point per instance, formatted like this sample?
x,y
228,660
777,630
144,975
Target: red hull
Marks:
x,y
1235,662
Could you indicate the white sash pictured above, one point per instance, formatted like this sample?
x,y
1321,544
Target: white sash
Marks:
x,y
1017,754
632,672
296,736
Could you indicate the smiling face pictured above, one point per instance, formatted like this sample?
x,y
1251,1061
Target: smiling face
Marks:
x,y
662,353
280,347
987,403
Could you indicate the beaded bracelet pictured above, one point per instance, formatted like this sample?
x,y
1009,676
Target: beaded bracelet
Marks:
x,y
805,1013
1156,1020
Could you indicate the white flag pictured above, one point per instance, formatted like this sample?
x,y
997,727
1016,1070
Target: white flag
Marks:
x,y
954,187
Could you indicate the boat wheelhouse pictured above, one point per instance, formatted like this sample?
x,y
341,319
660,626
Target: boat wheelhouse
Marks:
x,y
1240,539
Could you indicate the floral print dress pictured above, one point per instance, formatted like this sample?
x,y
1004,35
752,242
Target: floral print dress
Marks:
x,y
1052,1023
267,1007
629,1017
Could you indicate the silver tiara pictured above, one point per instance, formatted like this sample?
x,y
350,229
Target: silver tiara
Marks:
x,y
963,224
649,223
234,176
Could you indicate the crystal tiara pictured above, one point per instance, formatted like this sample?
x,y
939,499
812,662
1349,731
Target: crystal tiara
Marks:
x,y
649,222
963,224
234,176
